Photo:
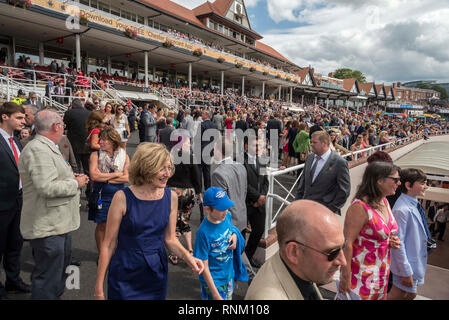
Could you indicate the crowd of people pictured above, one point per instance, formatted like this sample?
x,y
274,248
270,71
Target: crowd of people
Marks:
x,y
144,204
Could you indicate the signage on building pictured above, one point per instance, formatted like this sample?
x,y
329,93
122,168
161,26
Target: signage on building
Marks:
x,y
404,106
94,16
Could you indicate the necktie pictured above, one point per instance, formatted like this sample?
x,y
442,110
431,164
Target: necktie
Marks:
x,y
14,150
424,220
312,171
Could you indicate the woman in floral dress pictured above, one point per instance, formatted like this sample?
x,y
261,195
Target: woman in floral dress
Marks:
x,y
371,230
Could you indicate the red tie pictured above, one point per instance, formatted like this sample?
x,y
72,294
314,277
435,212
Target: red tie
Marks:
x,y
14,150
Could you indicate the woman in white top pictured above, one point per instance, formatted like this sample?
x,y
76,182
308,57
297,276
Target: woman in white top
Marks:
x,y
120,123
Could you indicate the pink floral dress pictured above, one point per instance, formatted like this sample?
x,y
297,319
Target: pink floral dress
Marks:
x,y
370,263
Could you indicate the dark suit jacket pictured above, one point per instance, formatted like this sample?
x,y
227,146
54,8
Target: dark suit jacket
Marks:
x,y
274,124
432,212
9,176
331,187
164,136
205,125
257,183
75,121
242,125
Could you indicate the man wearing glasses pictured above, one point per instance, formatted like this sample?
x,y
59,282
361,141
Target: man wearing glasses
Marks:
x,y
50,209
310,252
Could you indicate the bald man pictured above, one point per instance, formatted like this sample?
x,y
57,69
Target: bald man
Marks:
x,y
310,252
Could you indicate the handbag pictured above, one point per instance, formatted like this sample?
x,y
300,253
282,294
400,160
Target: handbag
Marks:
x,y
303,156
94,202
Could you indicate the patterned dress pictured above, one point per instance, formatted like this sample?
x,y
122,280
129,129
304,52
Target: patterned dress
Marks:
x,y
370,263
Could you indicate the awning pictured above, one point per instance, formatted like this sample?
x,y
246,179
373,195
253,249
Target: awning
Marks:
x,y
132,95
432,158
436,194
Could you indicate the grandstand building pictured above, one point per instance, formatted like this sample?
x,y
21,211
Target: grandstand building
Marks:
x,y
141,43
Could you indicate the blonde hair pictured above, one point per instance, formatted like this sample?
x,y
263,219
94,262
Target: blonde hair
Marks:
x,y
147,162
323,136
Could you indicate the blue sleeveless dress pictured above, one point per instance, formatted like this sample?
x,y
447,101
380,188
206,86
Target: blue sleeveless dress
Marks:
x,y
139,267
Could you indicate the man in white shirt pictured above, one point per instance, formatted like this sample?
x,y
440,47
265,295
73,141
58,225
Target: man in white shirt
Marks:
x,y
441,218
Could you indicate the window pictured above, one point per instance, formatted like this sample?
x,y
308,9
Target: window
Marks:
x,y
133,17
220,28
103,6
115,11
93,3
211,24
85,2
140,19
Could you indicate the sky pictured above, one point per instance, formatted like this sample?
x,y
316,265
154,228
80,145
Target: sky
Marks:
x,y
387,40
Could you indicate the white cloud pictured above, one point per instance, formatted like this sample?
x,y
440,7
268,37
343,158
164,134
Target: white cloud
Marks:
x,y
387,40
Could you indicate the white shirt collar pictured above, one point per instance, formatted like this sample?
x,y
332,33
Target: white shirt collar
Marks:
x,y
326,155
225,160
5,134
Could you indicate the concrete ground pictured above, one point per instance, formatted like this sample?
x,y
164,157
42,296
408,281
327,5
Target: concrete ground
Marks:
x,y
183,284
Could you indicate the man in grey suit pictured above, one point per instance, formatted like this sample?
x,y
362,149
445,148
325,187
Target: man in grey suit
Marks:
x,y
149,123
231,177
187,122
218,120
325,178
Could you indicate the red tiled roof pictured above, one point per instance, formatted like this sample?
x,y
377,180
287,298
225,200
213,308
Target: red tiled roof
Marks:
x,y
267,49
366,87
348,83
379,88
188,15
222,6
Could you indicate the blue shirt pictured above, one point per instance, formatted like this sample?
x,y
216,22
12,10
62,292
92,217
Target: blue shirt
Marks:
x,y
212,244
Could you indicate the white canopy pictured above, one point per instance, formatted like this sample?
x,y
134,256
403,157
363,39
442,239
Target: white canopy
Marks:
x,y
437,194
432,158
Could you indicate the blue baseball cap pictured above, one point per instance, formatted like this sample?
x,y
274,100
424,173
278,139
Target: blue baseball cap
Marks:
x,y
217,198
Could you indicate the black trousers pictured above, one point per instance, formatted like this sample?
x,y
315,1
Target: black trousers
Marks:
x,y
256,217
82,160
441,228
11,243
205,169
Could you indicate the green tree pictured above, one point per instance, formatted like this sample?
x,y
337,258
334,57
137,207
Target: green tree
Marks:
x,y
441,90
346,73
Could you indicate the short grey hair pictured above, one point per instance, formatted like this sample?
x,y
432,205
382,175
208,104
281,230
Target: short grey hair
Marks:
x,y
32,108
45,119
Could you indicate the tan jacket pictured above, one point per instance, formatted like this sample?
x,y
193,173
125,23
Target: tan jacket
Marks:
x,y
273,282
50,192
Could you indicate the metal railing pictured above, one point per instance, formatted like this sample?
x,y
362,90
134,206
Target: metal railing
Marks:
x,y
272,174
38,78
7,84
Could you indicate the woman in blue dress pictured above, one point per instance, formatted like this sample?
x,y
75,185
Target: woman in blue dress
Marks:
x,y
141,222
108,169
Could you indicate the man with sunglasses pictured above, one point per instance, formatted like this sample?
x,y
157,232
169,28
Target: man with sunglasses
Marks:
x,y
311,243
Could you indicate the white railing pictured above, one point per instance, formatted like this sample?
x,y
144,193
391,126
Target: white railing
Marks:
x,y
8,85
270,218
17,74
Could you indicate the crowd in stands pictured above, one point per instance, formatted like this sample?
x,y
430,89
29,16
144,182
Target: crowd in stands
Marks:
x,y
97,133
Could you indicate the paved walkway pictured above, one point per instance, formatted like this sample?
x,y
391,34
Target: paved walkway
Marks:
x,y
183,284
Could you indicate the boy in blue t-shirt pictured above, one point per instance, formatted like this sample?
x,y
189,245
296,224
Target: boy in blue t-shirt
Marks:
x,y
214,245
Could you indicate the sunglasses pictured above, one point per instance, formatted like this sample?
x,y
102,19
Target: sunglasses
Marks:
x,y
396,180
331,255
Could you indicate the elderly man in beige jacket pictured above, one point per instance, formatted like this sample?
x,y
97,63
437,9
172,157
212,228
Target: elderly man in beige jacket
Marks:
x,y
50,205
310,252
